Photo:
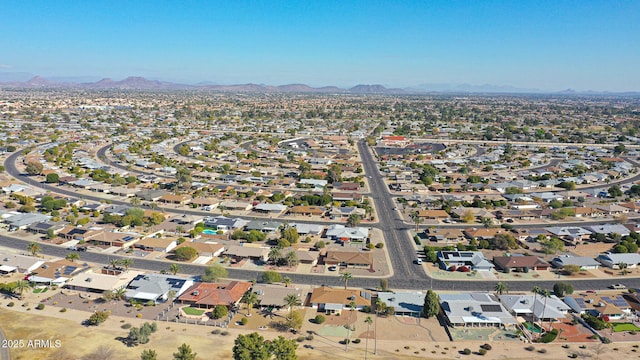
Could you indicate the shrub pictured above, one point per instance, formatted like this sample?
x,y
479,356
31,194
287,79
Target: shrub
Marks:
x,y
319,319
356,341
486,346
549,337
244,321
300,339
40,307
482,352
216,332
224,333
573,356
379,245
126,326
542,351
530,348
63,310
466,351
309,337
11,304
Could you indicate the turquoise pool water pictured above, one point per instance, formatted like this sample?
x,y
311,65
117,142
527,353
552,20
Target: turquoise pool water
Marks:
x,y
534,328
209,232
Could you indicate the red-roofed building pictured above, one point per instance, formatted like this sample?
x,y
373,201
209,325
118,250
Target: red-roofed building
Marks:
x,y
209,295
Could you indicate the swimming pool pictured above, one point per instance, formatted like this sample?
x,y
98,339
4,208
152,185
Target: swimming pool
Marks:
x,y
210,232
534,328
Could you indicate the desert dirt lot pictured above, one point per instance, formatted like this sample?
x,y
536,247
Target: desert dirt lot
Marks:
x,y
401,339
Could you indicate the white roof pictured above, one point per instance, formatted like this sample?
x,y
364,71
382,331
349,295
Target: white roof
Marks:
x,y
7,268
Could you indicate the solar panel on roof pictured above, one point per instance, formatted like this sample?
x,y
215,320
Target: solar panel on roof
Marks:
x,y
607,299
68,270
580,302
490,308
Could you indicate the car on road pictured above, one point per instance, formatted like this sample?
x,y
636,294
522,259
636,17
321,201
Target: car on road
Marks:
x,y
395,209
617,286
333,268
417,261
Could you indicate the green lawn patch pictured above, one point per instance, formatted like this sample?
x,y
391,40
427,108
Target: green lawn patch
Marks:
x,y
619,327
193,311
40,290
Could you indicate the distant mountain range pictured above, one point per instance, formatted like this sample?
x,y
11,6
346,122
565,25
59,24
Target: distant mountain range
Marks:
x,y
17,80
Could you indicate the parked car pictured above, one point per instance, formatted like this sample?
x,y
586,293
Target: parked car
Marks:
x,y
333,268
617,286
418,261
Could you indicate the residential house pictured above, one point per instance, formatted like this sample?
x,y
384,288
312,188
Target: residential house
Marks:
x,y
204,248
224,223
308,229
521,263
272,295
209,295
308,210
265,226
345,234
613,261
56,272
535,307
162,244
474,260
572,234
446,235
405,303
475,310
609,229
433,214
350,259
483,233
240,253
273,209
600,305
346,211
157,287
11,262
584,262
100,282
333,300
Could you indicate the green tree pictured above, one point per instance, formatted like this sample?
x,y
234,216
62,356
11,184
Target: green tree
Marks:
x,y
431,304
148,354
52,178
367,321
73,256
501,288
214,273
353,220
283,349
271,277
219,312
250,298
98,317
290,301
294,321
21,286
184,353
291,235
562,288
185,253
174,269
34,168
126,263
34,248
615,191
346,276
536,290
286,281
251,347
417,220
552,245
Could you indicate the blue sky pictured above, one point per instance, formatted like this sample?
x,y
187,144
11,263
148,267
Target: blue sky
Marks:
x,y
549,45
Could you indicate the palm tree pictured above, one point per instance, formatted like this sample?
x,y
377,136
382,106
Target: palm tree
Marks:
x,y
286,281
416,219
291,300
346,276
114,263
501,288
368,321
250,298
126,262
21,286
118,294
34,248
545,294
536,290
135,201
174,268
73,256
275,255
378,304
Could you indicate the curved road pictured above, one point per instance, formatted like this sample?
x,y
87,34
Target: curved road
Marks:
x,y
399,245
